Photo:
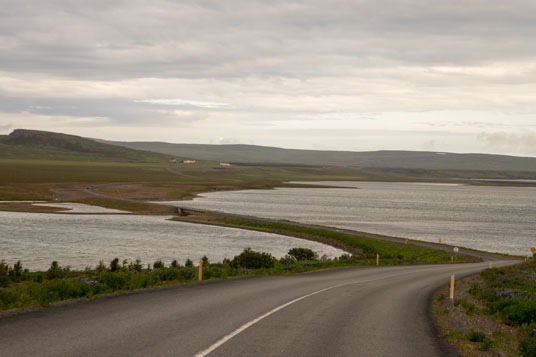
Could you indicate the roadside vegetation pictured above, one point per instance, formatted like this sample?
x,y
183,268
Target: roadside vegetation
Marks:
x,y
20,288
494,312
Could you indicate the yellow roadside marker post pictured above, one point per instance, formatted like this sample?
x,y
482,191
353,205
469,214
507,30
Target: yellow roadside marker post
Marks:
x,y
439,240
377,259
407,241
200,268
490,265
452,287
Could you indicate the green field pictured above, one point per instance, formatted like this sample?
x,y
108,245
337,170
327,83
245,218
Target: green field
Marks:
x,y
39,145
364,248
33,164
424,160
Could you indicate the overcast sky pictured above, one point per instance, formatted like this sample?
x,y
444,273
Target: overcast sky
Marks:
x,y
455,76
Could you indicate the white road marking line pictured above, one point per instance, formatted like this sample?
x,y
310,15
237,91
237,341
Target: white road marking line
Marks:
x,y
226,338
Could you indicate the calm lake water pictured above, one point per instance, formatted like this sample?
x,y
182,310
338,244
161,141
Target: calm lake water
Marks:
x,y
497,219
81,240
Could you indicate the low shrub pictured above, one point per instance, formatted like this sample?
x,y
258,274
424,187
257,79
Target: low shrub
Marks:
x,y
55,271
521,312
158,264
4,274
527,347
287,260
470,309
251,259
114,265
205,261
486,344
302,254
476,336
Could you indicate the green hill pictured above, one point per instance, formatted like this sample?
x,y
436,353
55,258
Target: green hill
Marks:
x,y
376,159
42,145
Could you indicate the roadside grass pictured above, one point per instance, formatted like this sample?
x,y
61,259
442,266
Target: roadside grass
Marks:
x,y
507,299
20,288
509,294
391,253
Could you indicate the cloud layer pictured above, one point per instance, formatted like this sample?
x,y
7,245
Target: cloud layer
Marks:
x,y
418,74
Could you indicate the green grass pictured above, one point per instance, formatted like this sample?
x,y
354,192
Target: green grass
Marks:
x,y
509,293
362,247
22,288
31,144
509,296
22,172
379,159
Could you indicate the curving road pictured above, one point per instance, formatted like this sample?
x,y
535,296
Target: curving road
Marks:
x,y
365,311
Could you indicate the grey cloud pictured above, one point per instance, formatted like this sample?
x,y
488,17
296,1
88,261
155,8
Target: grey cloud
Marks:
x,y
240,38
117,111
185,103
4,128
509,142
386,133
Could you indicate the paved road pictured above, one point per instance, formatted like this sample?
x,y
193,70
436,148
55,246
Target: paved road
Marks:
x,y
365,311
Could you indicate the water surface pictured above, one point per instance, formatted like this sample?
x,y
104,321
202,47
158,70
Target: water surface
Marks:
x,y
81,240
497,219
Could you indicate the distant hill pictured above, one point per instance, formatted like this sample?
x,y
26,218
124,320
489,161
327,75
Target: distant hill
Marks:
x,y
377,159
43,145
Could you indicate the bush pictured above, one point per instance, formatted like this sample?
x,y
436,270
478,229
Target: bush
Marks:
x,y
476,336
114,265
302,254
476,290
4,274
205,261
287,260
55,271
15,273
470,309
101,267
135,266
347,258
521,312
251,259
189,263
158,264
486,345
188,274
527,347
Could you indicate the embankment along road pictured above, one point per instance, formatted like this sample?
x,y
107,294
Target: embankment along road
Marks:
x,y
361,311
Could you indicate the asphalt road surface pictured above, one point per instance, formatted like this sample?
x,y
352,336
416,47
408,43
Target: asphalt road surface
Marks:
x,y
364,311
